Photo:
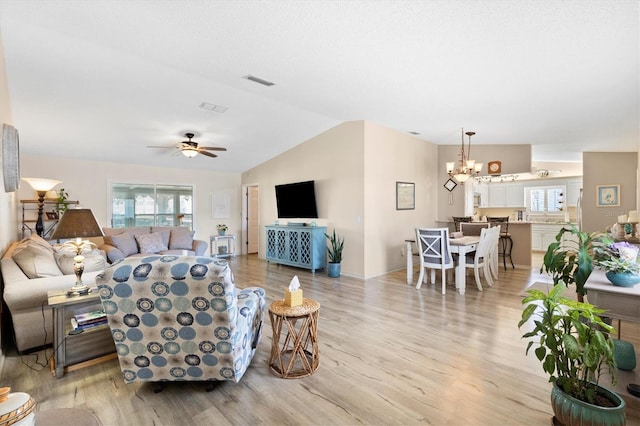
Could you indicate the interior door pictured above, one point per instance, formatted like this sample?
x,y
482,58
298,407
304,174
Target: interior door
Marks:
x,y
253,234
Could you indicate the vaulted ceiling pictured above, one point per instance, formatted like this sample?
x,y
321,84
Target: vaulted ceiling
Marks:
x,y
103,79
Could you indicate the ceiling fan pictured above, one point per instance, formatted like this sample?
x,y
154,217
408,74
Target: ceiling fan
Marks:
x,y
190,148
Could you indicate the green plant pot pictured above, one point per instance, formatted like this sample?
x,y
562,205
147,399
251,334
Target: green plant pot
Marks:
x,y
570,411
334,269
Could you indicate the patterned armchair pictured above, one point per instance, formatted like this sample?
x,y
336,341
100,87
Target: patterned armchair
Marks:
x,y
180,318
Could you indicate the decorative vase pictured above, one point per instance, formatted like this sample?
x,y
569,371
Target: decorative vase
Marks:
x,y
221,232
623,279
334,269
571,411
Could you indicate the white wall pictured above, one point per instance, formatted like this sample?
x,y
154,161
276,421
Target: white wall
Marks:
x,y
89,183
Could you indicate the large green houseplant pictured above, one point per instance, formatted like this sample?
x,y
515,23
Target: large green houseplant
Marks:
x,y
336,245
574,351
570,257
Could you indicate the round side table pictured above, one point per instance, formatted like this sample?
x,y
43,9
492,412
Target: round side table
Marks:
x,y
294,348
18,410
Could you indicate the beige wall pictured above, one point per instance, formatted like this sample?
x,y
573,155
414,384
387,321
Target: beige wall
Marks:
x,y
8,217
515,159
335,161
89,183
356,166
390,157
607,168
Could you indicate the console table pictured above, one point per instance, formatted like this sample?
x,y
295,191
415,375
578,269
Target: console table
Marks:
x,y
214,245
297,245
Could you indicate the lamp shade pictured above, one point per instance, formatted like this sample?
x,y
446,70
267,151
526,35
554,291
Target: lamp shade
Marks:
x,y
77,223
40,184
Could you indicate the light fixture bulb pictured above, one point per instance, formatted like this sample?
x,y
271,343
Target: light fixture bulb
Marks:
x,y
189,153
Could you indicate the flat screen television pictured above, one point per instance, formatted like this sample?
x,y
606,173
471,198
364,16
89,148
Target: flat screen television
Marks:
x,y
297,200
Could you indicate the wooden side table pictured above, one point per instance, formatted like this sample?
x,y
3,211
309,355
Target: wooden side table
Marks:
x,y
294,350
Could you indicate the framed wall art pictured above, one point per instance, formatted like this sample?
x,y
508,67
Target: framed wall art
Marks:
x,y
405,196
607,195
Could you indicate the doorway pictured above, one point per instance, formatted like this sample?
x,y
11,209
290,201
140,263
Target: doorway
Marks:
x,y
252,219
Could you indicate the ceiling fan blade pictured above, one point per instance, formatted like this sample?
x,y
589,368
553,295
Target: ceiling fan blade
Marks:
x,y
208,154
213,148
164,147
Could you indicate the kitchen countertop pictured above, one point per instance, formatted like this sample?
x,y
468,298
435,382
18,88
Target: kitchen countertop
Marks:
x,y
520,222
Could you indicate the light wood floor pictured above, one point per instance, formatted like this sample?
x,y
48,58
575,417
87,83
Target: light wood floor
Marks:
x,y
389,355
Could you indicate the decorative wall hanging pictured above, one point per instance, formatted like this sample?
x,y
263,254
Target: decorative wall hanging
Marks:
x,y
10,158
495,168
405,196
607,195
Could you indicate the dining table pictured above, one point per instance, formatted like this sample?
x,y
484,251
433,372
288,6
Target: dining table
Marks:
x,y
460,246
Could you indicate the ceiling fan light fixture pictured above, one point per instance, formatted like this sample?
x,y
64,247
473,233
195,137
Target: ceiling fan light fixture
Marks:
x,y
189,152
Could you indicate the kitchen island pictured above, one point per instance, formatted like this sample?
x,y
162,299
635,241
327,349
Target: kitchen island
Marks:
x,y
520,234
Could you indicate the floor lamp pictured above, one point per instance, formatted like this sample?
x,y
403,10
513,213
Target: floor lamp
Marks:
x,y
78,224
41,186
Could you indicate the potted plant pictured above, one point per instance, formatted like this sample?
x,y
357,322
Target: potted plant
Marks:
x,y
61,202
222,228
574,352
336,244
620,261
570,257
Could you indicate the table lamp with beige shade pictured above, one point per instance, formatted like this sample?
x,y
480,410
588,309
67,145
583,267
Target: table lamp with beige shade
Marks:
x,y
78,224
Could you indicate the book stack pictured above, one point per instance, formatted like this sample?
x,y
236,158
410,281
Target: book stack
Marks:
x,y
88,320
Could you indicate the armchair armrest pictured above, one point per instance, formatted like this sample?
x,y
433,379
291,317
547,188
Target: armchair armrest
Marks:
x,y
113,253
200,247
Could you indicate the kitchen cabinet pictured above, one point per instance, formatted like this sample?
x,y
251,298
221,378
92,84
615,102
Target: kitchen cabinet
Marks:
x,y
543,234
482,190
506,195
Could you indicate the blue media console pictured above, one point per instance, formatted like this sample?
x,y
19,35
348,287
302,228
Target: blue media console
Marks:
x,y
296,245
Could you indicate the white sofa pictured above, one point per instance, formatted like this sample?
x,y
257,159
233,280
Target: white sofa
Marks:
x,y
121,243
26,297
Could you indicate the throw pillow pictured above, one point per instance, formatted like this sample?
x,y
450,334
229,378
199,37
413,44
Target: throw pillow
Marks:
x,y
93,261
151,243
36,260
125,243
181,239
165,231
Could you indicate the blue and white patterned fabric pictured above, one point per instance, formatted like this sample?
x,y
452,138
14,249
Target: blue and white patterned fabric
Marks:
x,y
180,318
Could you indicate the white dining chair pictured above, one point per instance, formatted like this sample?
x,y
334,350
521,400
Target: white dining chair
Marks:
x,y
480,259
434,252
493,254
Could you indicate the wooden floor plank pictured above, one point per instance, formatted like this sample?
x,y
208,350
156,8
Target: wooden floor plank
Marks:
x,y
389,354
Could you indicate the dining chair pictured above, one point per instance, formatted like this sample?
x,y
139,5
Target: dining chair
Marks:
x,y
457,220
480,259
435,253
493,254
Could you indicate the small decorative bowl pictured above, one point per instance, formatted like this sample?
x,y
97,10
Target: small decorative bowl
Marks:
x,y
4,393
623,279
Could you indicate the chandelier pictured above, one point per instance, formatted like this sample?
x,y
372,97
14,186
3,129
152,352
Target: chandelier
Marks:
x,y
466,167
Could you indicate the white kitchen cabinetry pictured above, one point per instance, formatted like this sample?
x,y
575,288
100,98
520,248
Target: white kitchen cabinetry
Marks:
x,y
506,195
543,234
483,190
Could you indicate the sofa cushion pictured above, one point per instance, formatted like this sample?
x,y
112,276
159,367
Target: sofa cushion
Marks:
x,y
165,231
150,243
35,257
93,261
181,239
123,242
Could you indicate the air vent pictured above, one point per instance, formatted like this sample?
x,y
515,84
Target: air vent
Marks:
x,y
258,80
213,107
414,133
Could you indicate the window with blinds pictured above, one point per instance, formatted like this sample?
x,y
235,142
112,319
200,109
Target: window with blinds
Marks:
x,y
545,199
151,205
